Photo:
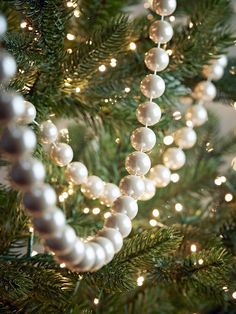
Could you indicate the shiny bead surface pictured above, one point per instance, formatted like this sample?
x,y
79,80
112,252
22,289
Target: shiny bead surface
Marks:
x,y
132,186
121,222
143,139
7,66
93,188
11,106
61,154
161,32
148,113
88,259
100,256
205,91
150,190
108,247
114,236
214,72
48,132
185,138
74,256
196,115
110,194
156,59
138,163
164,7
174,158
160,175
29,114
76,173
152,86
126,205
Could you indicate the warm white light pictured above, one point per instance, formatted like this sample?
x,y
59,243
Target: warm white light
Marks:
x,y
233,164
77,89
23,25
175,177
96,210
190,25
223,179
77,13
172,18
63,265
117,140
200,261
155,213
178,207
70,191
234,295
30,28
127,89
225,288
107,215
168,140
153,222
113,62
218,181
169,51
69,51
31,229
189,123
86,210
228,197
177,115
65,194
70,36
96,301
193,248
102,68
140,281
132,46
69,4
61,198
34,253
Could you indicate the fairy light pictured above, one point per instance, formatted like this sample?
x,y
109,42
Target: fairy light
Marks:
x,y
127,89
140,281
117,140
155,213
168,140
61,198
70,191
65,195
200,261
34,253
70,36
234,295
31,229
153,222
233,164
174,177
228,197
62,265
178,207
77,89
177,115
113,62
69,51
189,123
172,18
23,24
77,13
107,215
86,210
102,68
225,288
96,210
193,248
132,46
96,301
69,4
190,25
169,51
223,179
30,28
218,181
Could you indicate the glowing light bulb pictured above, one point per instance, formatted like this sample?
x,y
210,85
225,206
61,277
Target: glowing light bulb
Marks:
x,y
172,18
107,215
62,265
190,25
102,68
175,177
86,210
155,213
34,253
96,301
234,295
218,181
177,115
140,281
132,46
77,13
178,207
127,89
153,222
77,89
96,210
168,140
70,36
228,197
23,24
193,248
31,229
69,4
200,261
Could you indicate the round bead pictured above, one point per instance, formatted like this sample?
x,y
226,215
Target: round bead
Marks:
x,y
76,173
164,7
49,223
160,175
62,241
114,236
93,188
17,140
214,72
3,25
152,86
196,115
27,172
120,222
100,256
143,139
61,154
74,256
148,113
108,247
40,199
29,114
185,138
132,186
7,66
138,163
174,158
156,59
11,106
125,205
205,91
110,194
223,61
88,259
150,190
48,132
160,32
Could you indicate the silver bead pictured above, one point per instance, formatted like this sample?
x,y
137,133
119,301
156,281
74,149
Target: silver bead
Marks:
x,y
174,158
50,223
114,236
61,154
196,115
164,7
185,138
74,256
29,114
108,247
150,190
148,113
156,59
11,106
160,32
214,72
100,256
110,194
88,260
17,141
76,173
205,91
223,61
40,199
160,175
93,188
48,132
152,86
27,172
126,205
132,186
143,139
138,163
7,66
3,25
121,222
62,241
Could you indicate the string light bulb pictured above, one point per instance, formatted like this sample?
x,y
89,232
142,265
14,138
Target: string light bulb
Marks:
x,y
96,301
132,46
70,36
174,177
168,140
153,222
140,281
102,68
178,207
193,248
234,295
228,197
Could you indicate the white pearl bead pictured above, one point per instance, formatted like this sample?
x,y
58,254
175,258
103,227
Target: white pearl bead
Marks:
x,y
160,175
160,32
62,241
61,154
164,7
48,132
110,194
93,187
143,139
17,141
40,199
185,138
3,25
7,66
88,259
205,91
121,222
138,163
223,61
152,86
74,256
11,106
76,173
29,114
114,236
197,115
126,205
132,186
100,256
27,172
174,158
214,72
148,113
156,59
49,223
150,190
108,247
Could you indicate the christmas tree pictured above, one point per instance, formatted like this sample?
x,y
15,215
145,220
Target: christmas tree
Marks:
x,y
80,64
